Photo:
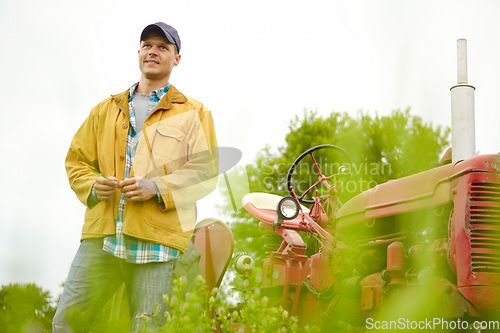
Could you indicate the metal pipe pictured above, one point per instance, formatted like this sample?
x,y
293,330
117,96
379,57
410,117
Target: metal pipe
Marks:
x,y
462,61
463,137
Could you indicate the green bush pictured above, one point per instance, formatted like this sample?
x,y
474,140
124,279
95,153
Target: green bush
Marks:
x,y
25,308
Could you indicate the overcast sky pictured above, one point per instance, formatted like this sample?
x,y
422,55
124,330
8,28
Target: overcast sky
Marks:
x,y
255,64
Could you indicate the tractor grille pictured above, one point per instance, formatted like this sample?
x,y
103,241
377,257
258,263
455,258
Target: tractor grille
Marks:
x,y
484,218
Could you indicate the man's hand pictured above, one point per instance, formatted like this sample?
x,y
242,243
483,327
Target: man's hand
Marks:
x,y
138,188
105,188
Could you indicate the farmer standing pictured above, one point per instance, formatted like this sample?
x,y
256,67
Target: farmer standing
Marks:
x,y
138,163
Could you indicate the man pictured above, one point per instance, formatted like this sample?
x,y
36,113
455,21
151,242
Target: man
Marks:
x,y
139,162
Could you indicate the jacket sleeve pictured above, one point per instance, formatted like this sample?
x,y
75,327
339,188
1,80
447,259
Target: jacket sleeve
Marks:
x,y
81,157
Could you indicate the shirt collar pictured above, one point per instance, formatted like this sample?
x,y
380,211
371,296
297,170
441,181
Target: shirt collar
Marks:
x,y
158,93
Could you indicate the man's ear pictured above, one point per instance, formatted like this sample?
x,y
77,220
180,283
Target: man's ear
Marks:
x,y
177,59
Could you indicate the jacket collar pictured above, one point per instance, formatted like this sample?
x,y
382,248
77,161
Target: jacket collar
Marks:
x,y
172,96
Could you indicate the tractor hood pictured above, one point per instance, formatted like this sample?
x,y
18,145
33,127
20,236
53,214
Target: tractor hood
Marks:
x,y
422,190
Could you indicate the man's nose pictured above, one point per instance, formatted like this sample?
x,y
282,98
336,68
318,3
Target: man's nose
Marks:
x,y
153,50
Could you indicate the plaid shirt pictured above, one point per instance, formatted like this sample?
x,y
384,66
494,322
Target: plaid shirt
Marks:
x,y
122,246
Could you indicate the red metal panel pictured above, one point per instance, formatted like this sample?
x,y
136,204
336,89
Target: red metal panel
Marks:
x,y
476,237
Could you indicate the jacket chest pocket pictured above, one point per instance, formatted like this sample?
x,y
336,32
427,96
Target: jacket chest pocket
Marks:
x,y
170,143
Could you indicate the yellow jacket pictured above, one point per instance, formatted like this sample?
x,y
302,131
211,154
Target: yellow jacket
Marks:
x,y
177,149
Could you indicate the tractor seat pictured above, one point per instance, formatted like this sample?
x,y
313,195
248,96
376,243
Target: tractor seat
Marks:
x,y
214,241
263,206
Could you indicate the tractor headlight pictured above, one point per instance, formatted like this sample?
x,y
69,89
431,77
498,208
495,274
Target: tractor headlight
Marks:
x,y
288,208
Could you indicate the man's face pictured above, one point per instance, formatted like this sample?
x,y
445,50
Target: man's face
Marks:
x,y
157,58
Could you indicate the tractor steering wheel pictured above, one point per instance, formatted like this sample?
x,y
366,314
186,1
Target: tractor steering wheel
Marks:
x,y
321,177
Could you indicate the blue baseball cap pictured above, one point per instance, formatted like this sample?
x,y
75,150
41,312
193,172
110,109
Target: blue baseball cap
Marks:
x,y
162,29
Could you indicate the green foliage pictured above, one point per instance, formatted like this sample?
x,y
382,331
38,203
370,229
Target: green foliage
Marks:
x,y
380,148
189,307
254,312
194,308
25,307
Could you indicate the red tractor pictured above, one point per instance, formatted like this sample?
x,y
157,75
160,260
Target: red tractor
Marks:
x,y
423,247
435,234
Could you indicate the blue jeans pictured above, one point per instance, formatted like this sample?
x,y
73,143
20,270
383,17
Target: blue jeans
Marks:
x,y
94,277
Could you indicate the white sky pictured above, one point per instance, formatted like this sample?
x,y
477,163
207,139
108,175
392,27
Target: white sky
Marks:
x,y
255,64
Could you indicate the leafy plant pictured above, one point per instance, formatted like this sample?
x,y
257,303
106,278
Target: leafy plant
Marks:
x,y
25,307
194,308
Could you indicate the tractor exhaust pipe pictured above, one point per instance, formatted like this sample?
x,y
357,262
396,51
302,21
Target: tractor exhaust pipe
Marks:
x,y
463,137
